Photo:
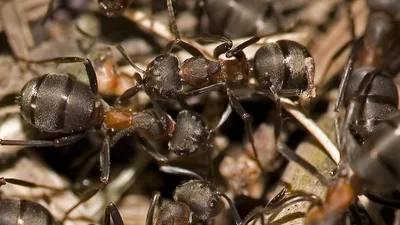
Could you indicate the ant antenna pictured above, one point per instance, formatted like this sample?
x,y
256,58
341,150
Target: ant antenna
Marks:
x,y
235,213
292,156
172,20
130,61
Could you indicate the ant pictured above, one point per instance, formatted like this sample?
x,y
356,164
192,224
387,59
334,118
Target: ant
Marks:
x,y
235,18
375,51
57,103
284,68
15,211
377,156
195,198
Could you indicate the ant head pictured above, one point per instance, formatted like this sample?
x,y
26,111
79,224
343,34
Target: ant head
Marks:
x,y
151,127
201,197
198,71
176,213
162,77
190,134
113,7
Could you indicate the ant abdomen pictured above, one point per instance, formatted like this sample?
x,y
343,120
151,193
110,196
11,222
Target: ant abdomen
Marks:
x,y
379,101
284,65
201,197
162,78
190,134
175,213
53,103
18,211
378,166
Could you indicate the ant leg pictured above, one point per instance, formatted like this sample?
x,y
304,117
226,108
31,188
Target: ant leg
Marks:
x,y
269,209
105,160
355,213
178,41
180,171
44,143
389,202
313,199
129,93
186,46
199,91
235,213
86,62
253,214
292,156
242,46
112,210
347,74
152,152
153,204
28,184
172,20
220,49
85,197
246,117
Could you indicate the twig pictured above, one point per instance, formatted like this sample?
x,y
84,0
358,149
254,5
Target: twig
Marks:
x,y
8,110
322,138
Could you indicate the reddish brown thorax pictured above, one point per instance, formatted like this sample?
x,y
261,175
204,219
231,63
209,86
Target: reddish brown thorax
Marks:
x,y
231,70
118,118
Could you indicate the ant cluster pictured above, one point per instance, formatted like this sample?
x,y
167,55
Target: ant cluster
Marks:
x,y
171,129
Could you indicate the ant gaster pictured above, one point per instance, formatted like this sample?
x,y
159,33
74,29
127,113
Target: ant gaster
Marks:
x,y
18,211
192,199
375,52
284,68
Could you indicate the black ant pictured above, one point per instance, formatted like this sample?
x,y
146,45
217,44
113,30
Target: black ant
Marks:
x,y
373,55
195,198
57,103
284,68
15,211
